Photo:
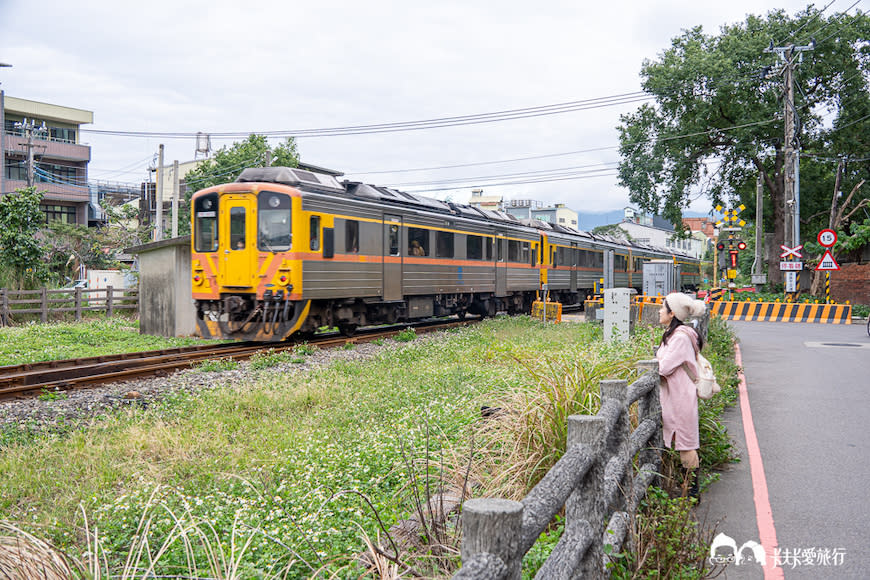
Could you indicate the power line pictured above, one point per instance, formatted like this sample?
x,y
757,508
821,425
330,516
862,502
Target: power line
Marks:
x,y
506,115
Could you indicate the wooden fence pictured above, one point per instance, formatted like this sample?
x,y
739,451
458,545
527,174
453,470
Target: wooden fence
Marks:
x,y
595,481
47,303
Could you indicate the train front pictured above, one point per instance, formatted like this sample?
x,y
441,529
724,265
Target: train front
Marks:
x,y
247,285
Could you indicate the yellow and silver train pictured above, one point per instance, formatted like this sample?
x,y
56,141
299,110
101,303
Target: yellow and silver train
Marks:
x,y
285,251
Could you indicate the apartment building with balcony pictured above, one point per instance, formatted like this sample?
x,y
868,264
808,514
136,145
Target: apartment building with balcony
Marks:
x,y
60,159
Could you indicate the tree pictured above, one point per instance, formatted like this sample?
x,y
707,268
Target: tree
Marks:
x,y
614,231
20,249
228,163
717,120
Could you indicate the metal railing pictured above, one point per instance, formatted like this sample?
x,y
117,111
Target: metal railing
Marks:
x,y
594,481
48,303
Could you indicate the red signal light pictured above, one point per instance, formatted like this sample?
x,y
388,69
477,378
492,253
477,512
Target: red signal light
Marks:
x,y
741,245
733,258
720,246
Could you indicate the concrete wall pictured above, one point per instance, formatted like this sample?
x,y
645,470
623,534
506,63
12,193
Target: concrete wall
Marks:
x,y
165,304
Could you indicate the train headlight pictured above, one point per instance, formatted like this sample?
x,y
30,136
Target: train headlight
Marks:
x,y
283,279
274,201
197,279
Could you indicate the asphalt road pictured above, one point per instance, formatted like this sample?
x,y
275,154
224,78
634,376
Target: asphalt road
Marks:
x,y
808,389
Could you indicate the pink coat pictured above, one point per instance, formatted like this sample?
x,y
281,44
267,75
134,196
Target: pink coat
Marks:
x,y
678,393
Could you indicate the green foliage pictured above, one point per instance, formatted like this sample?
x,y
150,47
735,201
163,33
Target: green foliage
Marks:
x,y
406,335
717,98
542,548
20,250
670,543
55,395
304,349
612,230
217,365
228,162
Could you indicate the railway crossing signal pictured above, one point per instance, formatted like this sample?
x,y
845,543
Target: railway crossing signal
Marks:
x,y
732,223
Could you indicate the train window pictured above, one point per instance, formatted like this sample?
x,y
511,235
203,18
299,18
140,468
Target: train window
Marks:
x,y
418,242
205,223
473,247
500,249
314,236
524,252
620,263
444,244
394,240
351,236
237,228
533,255
488,243
273,222
513,251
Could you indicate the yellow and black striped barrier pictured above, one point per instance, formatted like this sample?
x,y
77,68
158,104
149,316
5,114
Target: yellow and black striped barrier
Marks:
x,y
783,312
553,311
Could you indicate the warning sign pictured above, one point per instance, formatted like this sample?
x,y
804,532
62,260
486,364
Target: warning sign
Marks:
x,y
828,262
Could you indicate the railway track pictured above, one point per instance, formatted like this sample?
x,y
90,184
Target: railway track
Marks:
x,y
32,379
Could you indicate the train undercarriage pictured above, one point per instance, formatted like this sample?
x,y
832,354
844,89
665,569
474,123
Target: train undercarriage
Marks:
x,y
244,317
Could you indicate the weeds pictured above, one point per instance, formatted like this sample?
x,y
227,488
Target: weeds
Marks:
x,y
217,365
55,395
406,335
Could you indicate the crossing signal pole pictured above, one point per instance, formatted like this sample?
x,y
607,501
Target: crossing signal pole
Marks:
x,y
29,128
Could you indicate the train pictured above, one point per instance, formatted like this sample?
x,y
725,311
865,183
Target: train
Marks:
x,y
286,251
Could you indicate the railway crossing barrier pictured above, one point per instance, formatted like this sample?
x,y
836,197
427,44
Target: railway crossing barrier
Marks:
x,y
783,312
595,480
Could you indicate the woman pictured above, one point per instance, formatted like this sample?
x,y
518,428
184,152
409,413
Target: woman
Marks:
x,y
679,397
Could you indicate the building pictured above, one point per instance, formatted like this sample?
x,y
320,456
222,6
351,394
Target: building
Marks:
x,y
532,209
41,143
490,202
704,225
657,231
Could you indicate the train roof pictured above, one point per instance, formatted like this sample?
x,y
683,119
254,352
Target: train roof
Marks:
x,y
307,179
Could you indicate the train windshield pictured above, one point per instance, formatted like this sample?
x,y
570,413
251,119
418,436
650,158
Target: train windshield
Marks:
x,y
273,222
205,223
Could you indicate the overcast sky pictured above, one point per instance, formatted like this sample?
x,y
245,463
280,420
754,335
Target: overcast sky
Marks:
x,y
233,66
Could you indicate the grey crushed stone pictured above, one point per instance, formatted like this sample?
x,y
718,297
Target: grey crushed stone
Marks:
x,y
80,405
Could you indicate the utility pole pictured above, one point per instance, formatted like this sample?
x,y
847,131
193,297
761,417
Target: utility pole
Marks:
x,y
29,128
759,278
158,233
175,184
791,55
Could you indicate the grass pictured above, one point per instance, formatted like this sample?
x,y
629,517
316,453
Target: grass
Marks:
x,y
302,472
40,342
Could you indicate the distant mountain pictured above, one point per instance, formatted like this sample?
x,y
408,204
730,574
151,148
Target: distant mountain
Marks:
x,y
589,220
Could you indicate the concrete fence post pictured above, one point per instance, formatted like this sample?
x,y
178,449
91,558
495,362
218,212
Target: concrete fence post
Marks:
x,y
585,505
650,407
492,526
4,306
110,294
616,444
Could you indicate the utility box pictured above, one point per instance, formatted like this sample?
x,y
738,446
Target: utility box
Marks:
x,y
101,279
617,313
661,277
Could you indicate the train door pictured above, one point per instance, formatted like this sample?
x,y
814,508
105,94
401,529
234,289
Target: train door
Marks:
x,y
500,266
392,257
238,217
573,263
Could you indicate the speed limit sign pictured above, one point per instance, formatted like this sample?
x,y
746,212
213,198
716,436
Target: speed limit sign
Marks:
x,y
827,238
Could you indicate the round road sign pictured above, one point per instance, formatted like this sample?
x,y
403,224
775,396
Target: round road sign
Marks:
x,y
827,238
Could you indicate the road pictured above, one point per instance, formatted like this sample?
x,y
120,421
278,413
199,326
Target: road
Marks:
x,y
808,392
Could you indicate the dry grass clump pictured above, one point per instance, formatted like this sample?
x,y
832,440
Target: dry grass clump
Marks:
x,y
26,557
525,429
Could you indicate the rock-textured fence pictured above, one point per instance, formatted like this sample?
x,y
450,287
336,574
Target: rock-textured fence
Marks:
x,y
49,303
595,481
